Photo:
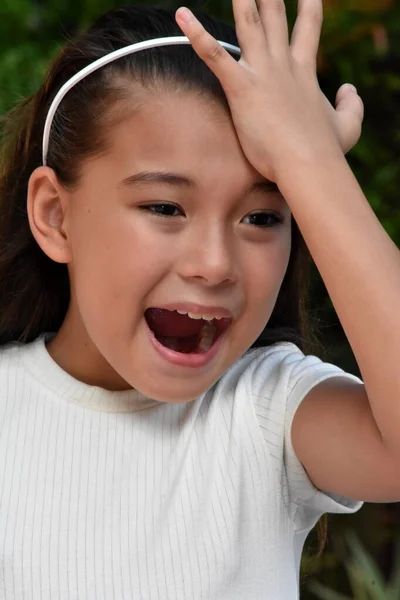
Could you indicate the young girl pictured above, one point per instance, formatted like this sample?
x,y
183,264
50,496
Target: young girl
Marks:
x,y
149,215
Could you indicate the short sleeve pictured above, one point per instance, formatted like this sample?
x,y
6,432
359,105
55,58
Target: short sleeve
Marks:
x,y
281,379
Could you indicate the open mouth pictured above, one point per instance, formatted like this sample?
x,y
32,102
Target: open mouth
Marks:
x,y
183,332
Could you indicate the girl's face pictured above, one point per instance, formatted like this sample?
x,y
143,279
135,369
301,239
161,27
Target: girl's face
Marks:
x,y
172,217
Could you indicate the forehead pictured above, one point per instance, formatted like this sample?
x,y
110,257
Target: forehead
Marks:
x,y
179,132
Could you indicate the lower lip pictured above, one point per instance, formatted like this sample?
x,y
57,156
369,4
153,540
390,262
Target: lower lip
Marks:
x,y
179,359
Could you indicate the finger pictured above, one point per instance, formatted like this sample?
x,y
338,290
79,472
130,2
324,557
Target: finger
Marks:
x,y
350,115
274,20
221,63
307,32
249,30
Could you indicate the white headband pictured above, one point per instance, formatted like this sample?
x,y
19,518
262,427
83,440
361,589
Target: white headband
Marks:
x,y
104,60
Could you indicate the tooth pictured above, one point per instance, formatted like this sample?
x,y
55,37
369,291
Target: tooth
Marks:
x,y
207,336
206,317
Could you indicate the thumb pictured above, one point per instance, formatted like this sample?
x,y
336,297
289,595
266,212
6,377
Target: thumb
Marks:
x,y
349,115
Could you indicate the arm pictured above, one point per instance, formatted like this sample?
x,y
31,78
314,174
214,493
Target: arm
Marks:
x,y
346,436
356,429
336,438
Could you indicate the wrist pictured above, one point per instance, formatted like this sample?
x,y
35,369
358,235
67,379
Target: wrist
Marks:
x,y
309,167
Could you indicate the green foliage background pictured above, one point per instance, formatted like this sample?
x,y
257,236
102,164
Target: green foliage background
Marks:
x,y
360,44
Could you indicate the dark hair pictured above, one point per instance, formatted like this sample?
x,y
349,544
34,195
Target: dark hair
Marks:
x,y
34,290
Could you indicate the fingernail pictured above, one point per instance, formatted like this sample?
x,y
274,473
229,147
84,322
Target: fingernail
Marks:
x,y
185,14
351,87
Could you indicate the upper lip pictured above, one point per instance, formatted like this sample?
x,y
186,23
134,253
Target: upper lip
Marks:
x,y
198,309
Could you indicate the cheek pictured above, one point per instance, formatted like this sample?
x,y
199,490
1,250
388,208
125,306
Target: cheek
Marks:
x,y
267,270
116,262
265,274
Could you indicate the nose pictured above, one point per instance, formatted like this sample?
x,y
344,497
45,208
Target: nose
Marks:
x,y
208,256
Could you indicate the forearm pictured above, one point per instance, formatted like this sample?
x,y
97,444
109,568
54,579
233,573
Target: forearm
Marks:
x,y
360,266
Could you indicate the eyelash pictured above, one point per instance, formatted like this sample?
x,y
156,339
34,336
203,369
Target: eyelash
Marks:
x,y
152,208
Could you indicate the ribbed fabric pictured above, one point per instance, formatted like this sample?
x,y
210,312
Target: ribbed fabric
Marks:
x,y
110,495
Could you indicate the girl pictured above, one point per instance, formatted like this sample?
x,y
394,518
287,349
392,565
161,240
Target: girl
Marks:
x,y
148,239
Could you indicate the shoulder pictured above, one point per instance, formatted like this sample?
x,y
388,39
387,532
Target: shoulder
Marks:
x,y
13,389
278,376
14,358
10,356
279,364
261,375
271,357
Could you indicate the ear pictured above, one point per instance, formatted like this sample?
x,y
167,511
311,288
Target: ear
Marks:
x,y
47,205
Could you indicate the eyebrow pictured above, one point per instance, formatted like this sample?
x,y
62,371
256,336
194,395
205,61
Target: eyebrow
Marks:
x,y
176,180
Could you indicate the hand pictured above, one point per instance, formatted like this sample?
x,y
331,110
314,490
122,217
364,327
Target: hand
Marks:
x,y
278,109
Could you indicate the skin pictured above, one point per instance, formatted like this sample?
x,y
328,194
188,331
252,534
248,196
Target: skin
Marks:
x,y
123,259
345,434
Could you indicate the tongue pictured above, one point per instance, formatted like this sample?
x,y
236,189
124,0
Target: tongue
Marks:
x,y
179,344
168,323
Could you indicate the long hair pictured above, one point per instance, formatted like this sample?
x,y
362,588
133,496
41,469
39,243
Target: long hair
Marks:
x,y
34,290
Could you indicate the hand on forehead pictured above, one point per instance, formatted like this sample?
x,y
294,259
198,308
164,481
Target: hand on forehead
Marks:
x,y
278,109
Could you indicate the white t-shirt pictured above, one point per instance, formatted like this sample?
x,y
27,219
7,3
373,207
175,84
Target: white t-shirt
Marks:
x,y
110,495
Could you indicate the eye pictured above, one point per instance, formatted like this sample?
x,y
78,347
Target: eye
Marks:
x,y
163,209
263,219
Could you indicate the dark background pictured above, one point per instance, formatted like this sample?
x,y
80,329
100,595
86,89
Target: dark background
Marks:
x,y
361,45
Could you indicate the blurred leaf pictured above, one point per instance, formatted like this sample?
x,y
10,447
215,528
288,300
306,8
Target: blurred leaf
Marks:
x,y
366,579
364,571
324,593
